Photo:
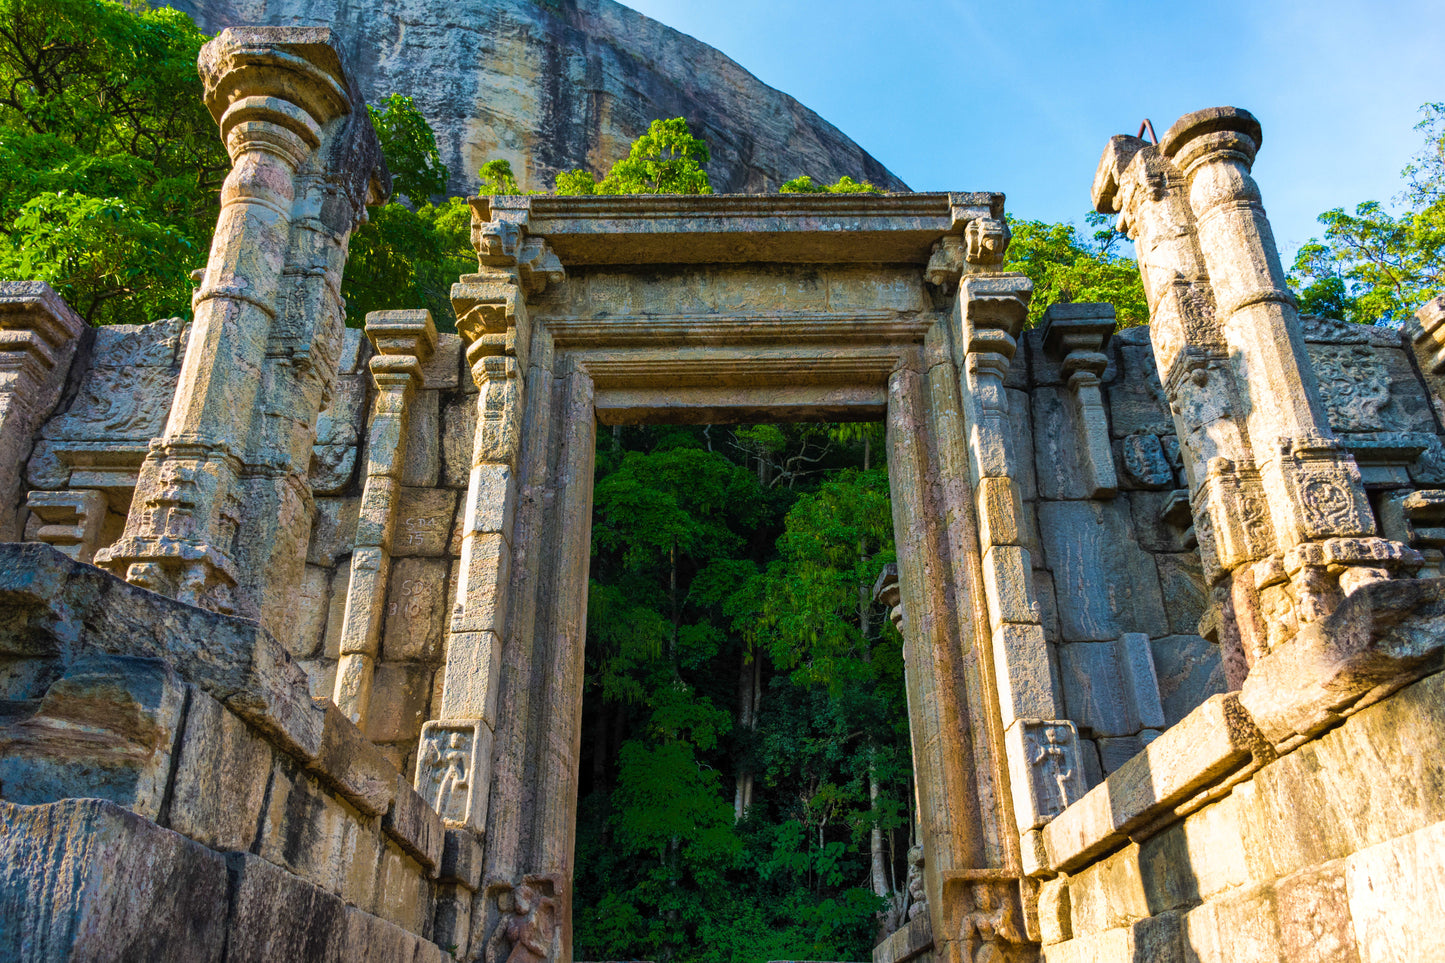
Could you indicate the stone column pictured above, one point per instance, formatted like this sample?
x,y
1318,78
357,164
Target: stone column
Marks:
x,y
1076,334
1231,520
403,340
38,337
222,509
1323,524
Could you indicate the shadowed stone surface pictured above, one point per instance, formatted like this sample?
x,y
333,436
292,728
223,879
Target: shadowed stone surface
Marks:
x,y
84,879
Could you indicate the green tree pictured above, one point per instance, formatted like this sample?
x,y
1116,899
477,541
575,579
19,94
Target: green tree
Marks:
x,y
497,178
410,148
667,159
1066,267
1376,267
843,185
683,694
404,258
109,163
409,256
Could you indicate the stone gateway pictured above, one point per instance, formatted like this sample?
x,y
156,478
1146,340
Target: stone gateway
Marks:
x,y
293,615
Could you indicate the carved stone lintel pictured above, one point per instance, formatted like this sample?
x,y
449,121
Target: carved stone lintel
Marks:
x,y
454,769
1044,769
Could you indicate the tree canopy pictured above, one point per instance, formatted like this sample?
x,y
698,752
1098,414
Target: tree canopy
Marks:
x,y
1376,267
667,159
110,166
745,748
1065,266
804,184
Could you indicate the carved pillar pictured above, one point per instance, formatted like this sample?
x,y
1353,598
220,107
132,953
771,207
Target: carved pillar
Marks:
x,y
403,340
1226,497
38,336
223,508
492,320
1076,334
1045,772
1322,521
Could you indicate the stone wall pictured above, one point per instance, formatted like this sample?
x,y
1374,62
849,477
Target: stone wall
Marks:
x,y
1331,852
88,453
202,784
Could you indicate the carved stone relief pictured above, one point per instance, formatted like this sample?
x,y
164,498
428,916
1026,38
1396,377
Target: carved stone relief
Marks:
x,y
1045,769
1355,386
121,403
454,762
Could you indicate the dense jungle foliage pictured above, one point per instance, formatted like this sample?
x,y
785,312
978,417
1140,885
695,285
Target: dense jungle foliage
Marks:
x,y
746,791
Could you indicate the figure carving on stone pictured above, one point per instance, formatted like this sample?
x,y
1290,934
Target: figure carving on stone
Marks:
x,y
986,239
917,894
528,922
990,924
448,767
1051,758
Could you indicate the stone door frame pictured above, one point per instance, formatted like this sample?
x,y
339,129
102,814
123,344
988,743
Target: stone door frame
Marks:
x,y
716,310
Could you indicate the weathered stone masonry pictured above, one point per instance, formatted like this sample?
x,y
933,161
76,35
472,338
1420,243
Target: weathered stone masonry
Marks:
x,y
1168,595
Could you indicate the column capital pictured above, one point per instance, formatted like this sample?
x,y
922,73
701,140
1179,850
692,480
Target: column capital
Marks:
x,y
1071,329
1215,133
301,66
408,332
994,309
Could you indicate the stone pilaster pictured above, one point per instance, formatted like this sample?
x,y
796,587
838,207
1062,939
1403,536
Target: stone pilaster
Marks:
x,y
1044,765
403,340
1076,335
223,504
492,320
38,337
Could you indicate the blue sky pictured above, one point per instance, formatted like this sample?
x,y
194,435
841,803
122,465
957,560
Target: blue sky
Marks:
x,y
1021,95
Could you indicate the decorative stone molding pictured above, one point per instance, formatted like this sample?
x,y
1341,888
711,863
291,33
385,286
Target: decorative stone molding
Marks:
x,y
38,338
404,341
69,520
1076,335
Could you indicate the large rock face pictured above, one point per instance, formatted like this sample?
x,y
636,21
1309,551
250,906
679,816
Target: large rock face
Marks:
x,y
553,85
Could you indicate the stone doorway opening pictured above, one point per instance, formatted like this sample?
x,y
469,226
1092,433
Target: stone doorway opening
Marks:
x,y
591,312
743,700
